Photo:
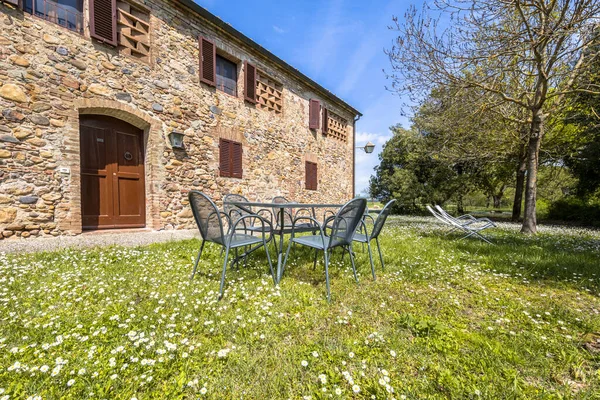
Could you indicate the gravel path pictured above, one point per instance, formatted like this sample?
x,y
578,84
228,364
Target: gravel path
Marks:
x,y
94,239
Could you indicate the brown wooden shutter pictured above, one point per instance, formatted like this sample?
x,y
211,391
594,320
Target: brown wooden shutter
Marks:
x,y
311,175
236,160
325,127
249,82
103,21
314,110
224,158
208,61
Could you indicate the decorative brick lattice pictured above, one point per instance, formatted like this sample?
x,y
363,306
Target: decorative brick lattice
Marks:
x,y
269,94
337,126
134,31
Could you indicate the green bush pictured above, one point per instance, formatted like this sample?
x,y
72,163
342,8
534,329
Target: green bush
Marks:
x,y
577,210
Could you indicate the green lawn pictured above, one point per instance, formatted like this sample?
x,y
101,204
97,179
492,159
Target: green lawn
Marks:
x,y
447,319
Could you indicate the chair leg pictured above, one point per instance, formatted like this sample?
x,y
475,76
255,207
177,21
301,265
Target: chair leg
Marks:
x,y
343,253
327,275
380,256
197,260
371,259
353,266
280,273
237,262
223,274
270,263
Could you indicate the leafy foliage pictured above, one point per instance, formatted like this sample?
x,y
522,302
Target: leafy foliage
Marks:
x,y
410,173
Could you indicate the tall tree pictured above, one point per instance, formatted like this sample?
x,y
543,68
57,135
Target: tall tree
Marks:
x,y
530,53
464,129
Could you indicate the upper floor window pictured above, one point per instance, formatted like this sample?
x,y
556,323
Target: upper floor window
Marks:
x,y
226,76
66,13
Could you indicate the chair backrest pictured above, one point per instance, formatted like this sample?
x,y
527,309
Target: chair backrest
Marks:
x,y
346,221
380,221
207,216
453,221
287,215
436,214
231,209
444,213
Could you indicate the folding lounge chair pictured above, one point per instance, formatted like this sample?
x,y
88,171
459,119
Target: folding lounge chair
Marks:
x,y
468,224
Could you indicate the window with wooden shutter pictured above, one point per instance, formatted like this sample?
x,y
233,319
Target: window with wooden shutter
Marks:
x,y
311,175
230,159
314,111
226,76
208,61
103,21
325,126
249,82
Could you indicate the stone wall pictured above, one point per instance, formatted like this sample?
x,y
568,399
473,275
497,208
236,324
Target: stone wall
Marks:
x,y
50,76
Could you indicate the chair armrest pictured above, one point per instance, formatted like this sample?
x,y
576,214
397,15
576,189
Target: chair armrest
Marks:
x,y
261,219
466,216
265,210
317,225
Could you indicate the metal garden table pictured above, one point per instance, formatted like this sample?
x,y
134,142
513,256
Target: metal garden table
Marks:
x,y
281,229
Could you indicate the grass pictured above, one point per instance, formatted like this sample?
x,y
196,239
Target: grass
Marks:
x,y
447,319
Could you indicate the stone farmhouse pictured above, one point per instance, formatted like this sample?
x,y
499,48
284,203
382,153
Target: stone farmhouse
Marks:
x,y
112,110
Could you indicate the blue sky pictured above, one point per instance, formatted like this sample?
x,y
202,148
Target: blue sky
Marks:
x,y
338,43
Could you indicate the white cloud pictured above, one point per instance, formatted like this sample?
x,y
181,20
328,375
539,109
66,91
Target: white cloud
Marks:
x,y
279,29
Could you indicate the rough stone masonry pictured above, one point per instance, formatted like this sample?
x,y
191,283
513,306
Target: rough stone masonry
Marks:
x,y
50,76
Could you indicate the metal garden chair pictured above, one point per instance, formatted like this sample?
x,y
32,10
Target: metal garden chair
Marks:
x,y
375,231
289,216
235,212
210,223
344,225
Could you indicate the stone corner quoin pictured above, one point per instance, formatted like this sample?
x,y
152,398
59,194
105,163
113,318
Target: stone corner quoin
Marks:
x,y
52,77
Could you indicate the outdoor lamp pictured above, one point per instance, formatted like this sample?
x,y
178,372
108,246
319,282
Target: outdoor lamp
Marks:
x,y
176,139
368,148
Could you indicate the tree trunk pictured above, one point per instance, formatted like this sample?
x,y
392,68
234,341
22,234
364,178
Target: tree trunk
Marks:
x,y
497,199
535,139
459,204
521,169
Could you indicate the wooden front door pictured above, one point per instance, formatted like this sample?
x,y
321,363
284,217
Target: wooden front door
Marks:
x,y
112,174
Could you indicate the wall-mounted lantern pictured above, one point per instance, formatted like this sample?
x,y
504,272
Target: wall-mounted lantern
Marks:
x,y
368,148
176,139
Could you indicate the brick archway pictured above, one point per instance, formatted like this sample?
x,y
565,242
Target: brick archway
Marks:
x,y
68,214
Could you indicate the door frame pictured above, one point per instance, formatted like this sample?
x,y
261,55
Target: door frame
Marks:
x,y
68,211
